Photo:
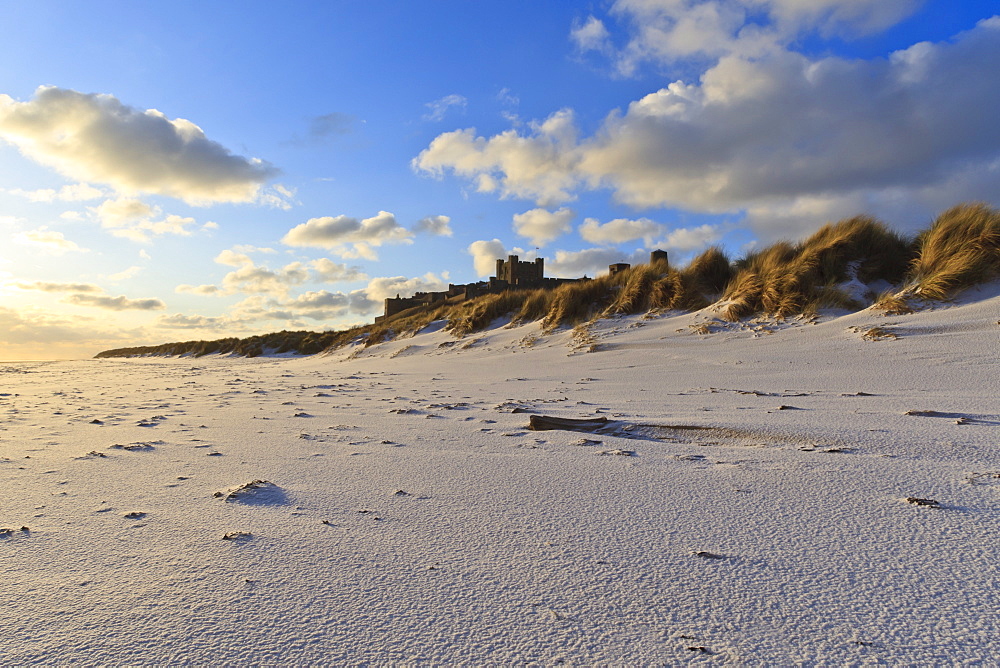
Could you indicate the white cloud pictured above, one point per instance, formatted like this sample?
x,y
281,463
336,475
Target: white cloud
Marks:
x,y
619,230
667,31
181,321
184,288
381,288
120,303
349,237
33,333
439,108
134,219
72,193
690,238
96,138
435,225
47,241
329,271
250,248
539,166
233,258
541,226
125,274
253,279
47,286
590,35
485,255
755,132
590,261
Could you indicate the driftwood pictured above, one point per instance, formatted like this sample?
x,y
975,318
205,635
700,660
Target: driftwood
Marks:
x,y
546,422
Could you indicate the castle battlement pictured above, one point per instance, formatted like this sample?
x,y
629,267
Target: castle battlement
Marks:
x,y
512,274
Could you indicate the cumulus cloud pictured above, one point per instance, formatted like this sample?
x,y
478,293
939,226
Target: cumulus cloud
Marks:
x,y
27,331
380,288
436,225
120,303
371,298
485,255
539,166
46,286
619,230
198,289
590,261
181,321
78,192
253,279
439,108
233,258
349,237
590,35
96,138
691,238
125,274
541,226
667,31
752,133
325,269
47,241
136,220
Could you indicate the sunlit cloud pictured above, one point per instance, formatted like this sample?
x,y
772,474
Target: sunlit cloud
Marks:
x,y
136,220
439,108
589,262
120,303
79,192
439,226
182,321
540,226
485,254
125,274
349,237
620,230
590,35
48,241
328,271
47,286
96,138
879,130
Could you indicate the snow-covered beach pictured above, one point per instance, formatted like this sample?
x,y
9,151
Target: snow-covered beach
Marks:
x,y
840,505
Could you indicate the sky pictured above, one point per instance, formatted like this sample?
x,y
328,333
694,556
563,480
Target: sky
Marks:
x,y
199,170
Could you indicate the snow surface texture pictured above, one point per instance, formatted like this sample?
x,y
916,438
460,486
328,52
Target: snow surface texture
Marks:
x,y
388,505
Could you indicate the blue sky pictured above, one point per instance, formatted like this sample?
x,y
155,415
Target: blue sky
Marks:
x,y
176,171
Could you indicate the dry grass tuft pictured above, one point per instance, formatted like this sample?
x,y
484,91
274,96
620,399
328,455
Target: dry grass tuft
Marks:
x,y
635,287
535,307
573,303
477,314
892,304
961,248
879,334
709,273
786,279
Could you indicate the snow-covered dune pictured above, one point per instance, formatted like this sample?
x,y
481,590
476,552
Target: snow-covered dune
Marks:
x,y
818,492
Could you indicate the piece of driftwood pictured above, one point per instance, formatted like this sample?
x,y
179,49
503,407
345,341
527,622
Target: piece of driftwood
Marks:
x,y
546,422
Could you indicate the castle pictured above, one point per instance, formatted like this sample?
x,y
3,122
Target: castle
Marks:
x,y
512,274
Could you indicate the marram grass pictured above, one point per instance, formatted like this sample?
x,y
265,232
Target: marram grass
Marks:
x,y
960,249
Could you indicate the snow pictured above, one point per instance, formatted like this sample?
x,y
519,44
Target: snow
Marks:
x,y
402,512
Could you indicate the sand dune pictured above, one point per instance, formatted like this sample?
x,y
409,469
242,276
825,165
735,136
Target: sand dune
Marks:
x,y
839,503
